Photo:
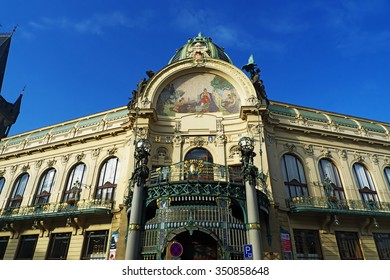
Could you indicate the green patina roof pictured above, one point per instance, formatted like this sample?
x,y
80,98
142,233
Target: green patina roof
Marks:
x,y
372,127
344,122
38,134
213,50
90,121
313,116
282,110
17,140
63,128
117,115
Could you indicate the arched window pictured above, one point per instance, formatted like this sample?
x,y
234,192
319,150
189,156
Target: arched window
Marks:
x,y
44,188
108,179
196,170
2,182
293,176
199,154
387,175
18,190
329,171
75,180
364,182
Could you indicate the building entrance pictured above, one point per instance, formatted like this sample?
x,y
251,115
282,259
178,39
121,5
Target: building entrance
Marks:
x,y
198,246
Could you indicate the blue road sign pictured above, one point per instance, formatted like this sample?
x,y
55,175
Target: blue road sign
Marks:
x,y
176,249
248,251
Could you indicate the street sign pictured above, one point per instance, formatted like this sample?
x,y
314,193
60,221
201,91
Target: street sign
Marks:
x,y
176,249
248,251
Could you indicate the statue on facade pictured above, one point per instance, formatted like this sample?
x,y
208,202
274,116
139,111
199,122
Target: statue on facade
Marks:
x,y
254,71
137,93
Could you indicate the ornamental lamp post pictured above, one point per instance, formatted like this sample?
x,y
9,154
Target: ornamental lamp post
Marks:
x,y
138,178
250,172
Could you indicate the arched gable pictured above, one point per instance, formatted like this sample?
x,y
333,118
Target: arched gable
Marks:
x,y
183,87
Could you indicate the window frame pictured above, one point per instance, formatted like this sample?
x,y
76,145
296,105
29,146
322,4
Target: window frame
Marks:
x,y
23,249
105,189
69,191
302,241
2,183
387,176
52,253
43,193
18,189
294,187
99,252
382,249
335,180
367,193
349,245
3,246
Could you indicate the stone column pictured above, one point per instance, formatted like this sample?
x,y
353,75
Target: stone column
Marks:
x,y
140,174
250,172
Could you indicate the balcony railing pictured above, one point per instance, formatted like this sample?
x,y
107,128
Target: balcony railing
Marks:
x,y
56,209
197,178
195,170
325,204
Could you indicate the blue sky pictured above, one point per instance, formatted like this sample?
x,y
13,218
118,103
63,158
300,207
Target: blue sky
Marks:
x,y
82,57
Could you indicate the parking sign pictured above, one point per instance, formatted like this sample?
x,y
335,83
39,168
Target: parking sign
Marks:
x,y
248,252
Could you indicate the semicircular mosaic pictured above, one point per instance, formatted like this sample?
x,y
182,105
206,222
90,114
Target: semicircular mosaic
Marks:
x,y
198,93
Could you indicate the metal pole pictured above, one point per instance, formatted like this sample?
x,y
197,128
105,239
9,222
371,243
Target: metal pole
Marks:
x,y
140,174
250,172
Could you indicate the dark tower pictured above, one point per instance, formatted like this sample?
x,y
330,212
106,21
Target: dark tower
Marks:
x,y
8,111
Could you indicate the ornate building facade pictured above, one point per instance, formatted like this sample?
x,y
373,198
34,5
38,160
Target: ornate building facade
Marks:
x,y
199,165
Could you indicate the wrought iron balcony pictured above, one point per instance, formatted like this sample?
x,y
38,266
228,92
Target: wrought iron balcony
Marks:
x,y
197,178
56,209
195,170
331,205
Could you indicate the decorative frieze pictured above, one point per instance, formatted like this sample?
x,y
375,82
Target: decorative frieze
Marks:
x,y
38,164
51,162
112,151
96,152
198,141
342,154
290,147
326,153
309,149
375,159
26,167
80,156
65,158
358,157
177,139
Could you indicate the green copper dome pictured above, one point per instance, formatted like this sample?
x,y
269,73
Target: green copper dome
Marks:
x,y
200,48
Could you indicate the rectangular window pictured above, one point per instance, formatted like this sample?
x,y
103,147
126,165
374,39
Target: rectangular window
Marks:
x,y
3,246
307,244
348,243
382,242
58,246
26,248
95,245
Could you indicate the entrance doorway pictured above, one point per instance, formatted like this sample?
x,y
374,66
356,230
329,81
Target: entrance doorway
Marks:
x,y
198,246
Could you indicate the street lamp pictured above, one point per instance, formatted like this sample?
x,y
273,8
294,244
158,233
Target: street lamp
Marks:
x,y
138,178
250,172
